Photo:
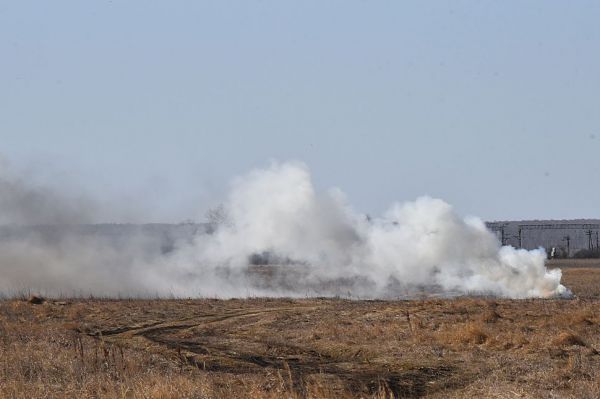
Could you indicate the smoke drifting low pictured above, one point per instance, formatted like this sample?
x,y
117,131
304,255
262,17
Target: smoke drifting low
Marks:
x,y
279,237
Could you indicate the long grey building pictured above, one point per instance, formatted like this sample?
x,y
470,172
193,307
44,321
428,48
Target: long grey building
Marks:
x,y
567,237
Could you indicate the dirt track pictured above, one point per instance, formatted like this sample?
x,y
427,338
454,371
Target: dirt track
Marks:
x,y
247,340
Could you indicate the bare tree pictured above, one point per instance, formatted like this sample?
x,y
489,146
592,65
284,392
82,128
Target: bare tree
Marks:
x,y
217,217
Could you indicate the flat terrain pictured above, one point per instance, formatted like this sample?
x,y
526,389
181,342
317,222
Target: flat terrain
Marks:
x,y
318,348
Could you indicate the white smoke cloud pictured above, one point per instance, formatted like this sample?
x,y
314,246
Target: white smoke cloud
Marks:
x,y
320,245
334,250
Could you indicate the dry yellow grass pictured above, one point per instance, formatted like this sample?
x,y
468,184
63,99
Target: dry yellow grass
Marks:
x,y
313,348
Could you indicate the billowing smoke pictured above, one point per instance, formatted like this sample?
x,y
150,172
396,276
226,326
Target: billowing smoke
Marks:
x,y
327,248
49,244
23,202
277,236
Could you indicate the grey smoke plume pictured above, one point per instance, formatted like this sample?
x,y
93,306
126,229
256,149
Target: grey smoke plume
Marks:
x,y
47,243
313,243
25,203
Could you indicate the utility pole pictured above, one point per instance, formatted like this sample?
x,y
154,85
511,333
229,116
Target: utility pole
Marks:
x,y
567,238
502,236
520,237
590,242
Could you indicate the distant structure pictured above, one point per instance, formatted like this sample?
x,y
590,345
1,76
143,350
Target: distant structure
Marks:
x,y
560,238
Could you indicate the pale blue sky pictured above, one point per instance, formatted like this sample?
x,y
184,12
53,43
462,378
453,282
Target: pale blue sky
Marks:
x,y
492,106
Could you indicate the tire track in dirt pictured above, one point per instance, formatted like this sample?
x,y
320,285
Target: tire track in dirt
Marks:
x,y
203,319
232,356
157,326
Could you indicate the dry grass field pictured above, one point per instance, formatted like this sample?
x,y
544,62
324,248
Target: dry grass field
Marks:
x,y
315,348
